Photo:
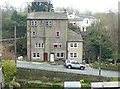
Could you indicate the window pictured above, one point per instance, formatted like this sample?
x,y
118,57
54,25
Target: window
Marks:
x,y
60,45
55,45
71,55
60,55
38,54
57,34
75,55
71,45
39,45
42,45
87,21
34,33
34,23
75,44
34,54
48,24
36,45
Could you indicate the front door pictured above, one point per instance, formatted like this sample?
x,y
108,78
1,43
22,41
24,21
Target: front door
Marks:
x,y
45,56
52,58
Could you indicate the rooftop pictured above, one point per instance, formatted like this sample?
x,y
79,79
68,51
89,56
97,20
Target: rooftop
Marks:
x,y
47,15
73,36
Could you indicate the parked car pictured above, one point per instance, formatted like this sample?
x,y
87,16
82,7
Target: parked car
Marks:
x,y
73,64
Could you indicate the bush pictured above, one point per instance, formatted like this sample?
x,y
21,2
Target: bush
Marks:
x,y
44,79
9,70
112,67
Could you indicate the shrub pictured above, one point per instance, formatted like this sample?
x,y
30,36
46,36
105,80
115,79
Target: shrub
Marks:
x,y
44,79
9,70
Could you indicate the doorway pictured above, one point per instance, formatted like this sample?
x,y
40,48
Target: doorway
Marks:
x,y
46,57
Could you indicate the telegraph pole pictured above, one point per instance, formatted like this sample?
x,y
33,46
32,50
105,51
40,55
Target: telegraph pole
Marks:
x,y
99,58
15,42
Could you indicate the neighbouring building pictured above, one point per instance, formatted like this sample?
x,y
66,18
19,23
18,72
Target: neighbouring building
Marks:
x,y
82,21
74,46
48,37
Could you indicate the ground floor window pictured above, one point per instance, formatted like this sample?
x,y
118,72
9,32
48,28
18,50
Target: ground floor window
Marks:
x,y
36,55
60,55
73,55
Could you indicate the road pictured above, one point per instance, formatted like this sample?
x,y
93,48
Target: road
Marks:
x,y
60,68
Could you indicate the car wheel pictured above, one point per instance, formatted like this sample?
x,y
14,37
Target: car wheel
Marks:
x,y
69,67
82,68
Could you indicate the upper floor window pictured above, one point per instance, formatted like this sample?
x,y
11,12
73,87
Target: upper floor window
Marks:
x,y
34,33
48,23
57,45
33,23
73,45
57,34
39,45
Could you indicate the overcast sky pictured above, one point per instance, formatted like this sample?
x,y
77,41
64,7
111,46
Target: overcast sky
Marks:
x,y
82,5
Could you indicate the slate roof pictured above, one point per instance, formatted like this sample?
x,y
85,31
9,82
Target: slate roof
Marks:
x,y
48,15
73,36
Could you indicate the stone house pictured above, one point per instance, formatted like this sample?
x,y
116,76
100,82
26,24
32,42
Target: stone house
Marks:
x,y
82,21
47,37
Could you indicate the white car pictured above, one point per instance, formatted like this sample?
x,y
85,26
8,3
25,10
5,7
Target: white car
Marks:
x,y
73,64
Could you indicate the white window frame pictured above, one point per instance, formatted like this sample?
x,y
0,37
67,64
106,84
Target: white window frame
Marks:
x,y
33,33
48,23
34,55
58,34
34,23
71,45
73,55
75,46
55,44
57,55
37,55
60,55
60,44
36,45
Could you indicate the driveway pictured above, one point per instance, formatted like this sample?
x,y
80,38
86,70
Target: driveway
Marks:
x,y
60,68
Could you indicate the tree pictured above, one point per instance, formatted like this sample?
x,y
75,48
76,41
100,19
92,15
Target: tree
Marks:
x,y
98,38
45,6
109,22
9,70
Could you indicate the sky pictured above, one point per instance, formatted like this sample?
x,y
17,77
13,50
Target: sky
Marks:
x,y
82,5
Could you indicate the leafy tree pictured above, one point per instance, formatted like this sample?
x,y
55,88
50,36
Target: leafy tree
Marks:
x,y
109,22
98,38
41,6
9,70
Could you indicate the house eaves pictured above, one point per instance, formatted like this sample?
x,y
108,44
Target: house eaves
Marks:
x,y
73,36
47,16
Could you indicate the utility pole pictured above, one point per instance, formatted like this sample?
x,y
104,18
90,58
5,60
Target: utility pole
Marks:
x,y
15,42
99,58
